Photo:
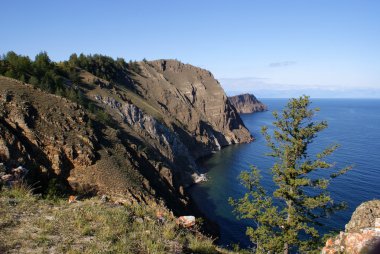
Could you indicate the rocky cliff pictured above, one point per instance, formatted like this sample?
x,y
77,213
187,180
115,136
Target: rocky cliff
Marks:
x,y
190,99
247,103
362,233
160,119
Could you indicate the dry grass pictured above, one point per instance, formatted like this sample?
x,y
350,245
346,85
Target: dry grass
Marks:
x,y
29,224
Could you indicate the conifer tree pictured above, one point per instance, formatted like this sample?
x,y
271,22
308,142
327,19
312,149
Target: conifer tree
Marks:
x,y
287,220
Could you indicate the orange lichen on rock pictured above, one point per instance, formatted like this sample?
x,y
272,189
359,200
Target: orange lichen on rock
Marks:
x,y
362,233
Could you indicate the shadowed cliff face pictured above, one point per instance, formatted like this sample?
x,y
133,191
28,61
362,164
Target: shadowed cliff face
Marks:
x,y
161,120
247,103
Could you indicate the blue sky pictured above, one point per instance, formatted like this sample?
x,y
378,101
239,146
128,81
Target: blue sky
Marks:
x,y
325,48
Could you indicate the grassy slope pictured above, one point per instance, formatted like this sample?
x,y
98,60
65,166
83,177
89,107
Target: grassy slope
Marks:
x,y
30,224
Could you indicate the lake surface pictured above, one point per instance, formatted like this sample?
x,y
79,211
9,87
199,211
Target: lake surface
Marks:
x,y
353,123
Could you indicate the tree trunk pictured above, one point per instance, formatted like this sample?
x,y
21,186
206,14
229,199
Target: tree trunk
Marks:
x,y
288,220
286,248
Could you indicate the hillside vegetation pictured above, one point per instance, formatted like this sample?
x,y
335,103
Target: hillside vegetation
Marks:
x,y
31,224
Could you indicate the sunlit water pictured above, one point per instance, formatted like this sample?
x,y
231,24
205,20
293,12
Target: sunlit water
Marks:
x,y
353,123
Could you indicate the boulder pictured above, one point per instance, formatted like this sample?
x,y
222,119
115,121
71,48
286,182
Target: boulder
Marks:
x,y
186,221
362,233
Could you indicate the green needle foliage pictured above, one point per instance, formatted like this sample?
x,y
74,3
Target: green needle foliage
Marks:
x,y
287,220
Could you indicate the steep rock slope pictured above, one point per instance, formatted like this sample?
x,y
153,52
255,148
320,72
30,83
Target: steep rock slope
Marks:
x,y
247,103
160,119
178,110
55,138
193,102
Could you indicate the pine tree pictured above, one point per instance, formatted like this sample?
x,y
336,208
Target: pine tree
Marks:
x,y
287,220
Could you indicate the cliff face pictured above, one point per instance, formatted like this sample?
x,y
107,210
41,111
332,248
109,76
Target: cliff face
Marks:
x,y
191,101
247,103
162,118
362,233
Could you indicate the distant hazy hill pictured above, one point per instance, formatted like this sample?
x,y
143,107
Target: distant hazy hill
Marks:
x,y
247,103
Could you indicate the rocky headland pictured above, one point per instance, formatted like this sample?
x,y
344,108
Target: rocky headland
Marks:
x,y
150,124
247,103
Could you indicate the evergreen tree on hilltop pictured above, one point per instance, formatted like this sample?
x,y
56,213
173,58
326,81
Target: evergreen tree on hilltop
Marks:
x,y
287,221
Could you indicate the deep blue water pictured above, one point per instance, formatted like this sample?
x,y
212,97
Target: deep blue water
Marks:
x,y
353,123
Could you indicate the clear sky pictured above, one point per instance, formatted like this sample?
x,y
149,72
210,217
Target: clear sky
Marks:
x,y
325,48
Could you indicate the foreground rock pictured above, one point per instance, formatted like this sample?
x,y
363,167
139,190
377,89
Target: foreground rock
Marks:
x,y
247,103
362,233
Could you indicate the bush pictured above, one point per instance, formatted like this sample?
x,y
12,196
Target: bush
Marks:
x,y
103,117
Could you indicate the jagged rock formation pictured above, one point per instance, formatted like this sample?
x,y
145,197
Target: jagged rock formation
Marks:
x,y
362,233
247,103
162,118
